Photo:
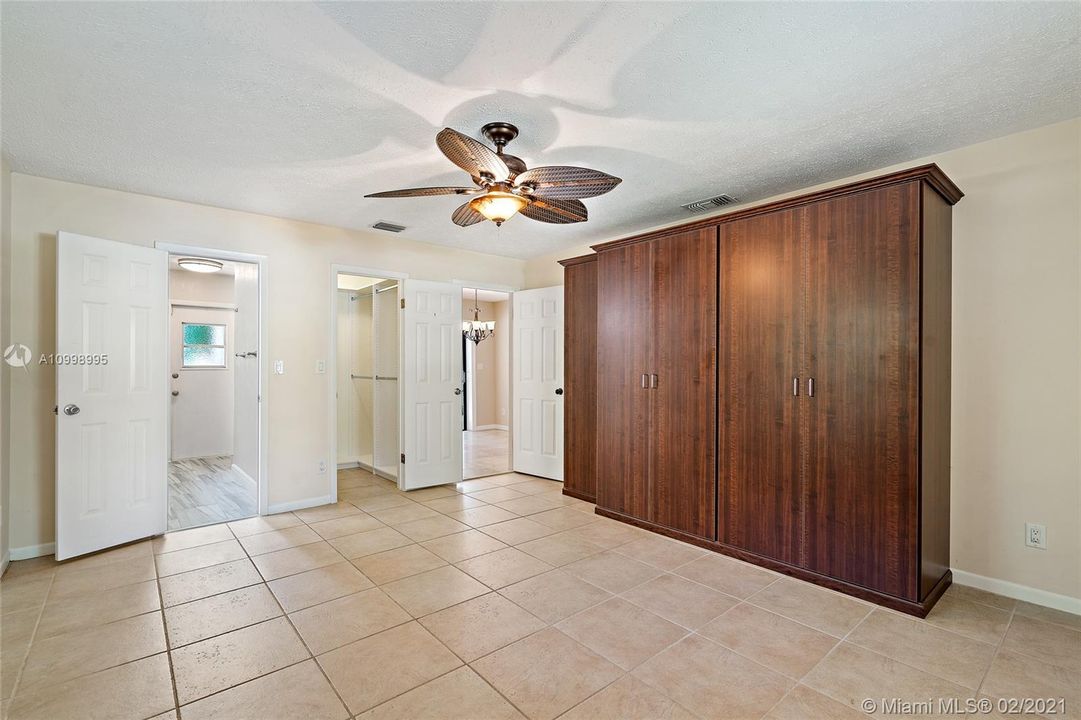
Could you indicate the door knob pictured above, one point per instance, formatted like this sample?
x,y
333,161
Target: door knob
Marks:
x,y
175,393
176,375
457,391
71,409
559,391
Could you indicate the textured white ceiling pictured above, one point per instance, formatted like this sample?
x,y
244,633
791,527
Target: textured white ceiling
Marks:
x,y
297,110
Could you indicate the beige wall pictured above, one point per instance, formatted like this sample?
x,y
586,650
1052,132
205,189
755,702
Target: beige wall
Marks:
x,y
201,287
299,255
492,363
502,363
1016,354
5,371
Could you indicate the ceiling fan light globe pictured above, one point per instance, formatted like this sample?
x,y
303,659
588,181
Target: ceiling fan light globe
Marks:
x,y
498,206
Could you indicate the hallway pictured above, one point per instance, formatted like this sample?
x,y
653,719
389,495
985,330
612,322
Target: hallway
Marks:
x,y
485,452
203,491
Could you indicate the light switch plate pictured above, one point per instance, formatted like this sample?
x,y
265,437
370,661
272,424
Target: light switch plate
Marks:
x,y
279,367
320,367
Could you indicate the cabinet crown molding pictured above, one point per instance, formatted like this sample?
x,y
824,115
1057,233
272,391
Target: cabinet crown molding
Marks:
x,y
591,257
931,174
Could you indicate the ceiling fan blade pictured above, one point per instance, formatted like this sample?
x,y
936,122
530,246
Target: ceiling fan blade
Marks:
x,y
471,155
564,181
426,192
560,212
465,216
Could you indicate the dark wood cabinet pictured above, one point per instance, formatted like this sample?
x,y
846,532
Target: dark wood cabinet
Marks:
x,y
683,393
760,501
624,357
656,358
580,377
774,384
861,351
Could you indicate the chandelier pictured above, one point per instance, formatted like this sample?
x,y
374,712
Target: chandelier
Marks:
x,y
476,330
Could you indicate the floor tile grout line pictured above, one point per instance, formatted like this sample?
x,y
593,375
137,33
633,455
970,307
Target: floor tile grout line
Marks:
x,y
303,642
998,649
749,600
844,640
33,636
799,681
110,667
165,630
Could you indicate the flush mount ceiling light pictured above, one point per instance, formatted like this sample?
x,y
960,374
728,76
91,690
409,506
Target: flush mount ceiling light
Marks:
x,y
199,265
505,187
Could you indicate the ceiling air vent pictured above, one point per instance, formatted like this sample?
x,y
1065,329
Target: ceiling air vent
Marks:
x,y
389,227
709,203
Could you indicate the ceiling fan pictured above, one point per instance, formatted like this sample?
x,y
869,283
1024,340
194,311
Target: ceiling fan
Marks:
x,y
504,186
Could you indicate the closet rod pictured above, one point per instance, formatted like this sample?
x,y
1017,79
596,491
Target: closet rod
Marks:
x,y
391,287
377,377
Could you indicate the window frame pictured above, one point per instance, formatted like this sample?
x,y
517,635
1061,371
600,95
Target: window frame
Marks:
x,y
184,345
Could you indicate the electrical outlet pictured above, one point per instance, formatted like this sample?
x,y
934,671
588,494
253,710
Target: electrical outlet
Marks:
x,y
1036,535
322,466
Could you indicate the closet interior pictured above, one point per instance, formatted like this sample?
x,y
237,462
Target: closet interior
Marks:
x,y
367,367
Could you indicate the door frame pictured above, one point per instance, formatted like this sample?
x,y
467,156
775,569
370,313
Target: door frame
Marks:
x,y
510,290
332,365
262,483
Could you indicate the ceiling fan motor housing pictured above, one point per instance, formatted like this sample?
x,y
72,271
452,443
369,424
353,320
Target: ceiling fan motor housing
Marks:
x,y
501,133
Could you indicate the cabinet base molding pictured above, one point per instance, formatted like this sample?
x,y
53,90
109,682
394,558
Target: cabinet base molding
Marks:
x,y
919,609
579,495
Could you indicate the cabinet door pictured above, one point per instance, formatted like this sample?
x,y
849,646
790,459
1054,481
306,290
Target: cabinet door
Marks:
x,y
580,379
862,349
758,440
624,343
683,475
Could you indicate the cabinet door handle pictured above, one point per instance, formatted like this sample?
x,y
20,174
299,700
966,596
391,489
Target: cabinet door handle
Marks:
x,y
645,381
653,381
810,387
795,387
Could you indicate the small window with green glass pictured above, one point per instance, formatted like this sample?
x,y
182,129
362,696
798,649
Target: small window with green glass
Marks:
x,y
204,345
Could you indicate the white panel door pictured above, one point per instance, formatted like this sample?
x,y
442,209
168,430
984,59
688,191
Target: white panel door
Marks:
x,y
431,379
538,382
112,425
202,401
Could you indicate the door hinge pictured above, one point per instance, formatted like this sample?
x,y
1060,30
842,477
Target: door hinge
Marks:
x,y
403,303
403,458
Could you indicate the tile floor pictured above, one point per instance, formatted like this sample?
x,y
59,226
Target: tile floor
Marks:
x,y
485,452
495,598
203,491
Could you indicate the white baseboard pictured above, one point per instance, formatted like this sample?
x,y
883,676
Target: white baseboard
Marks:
x,y
1019,592
32,551
237,469
491,427
348,465
4,562
300,504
